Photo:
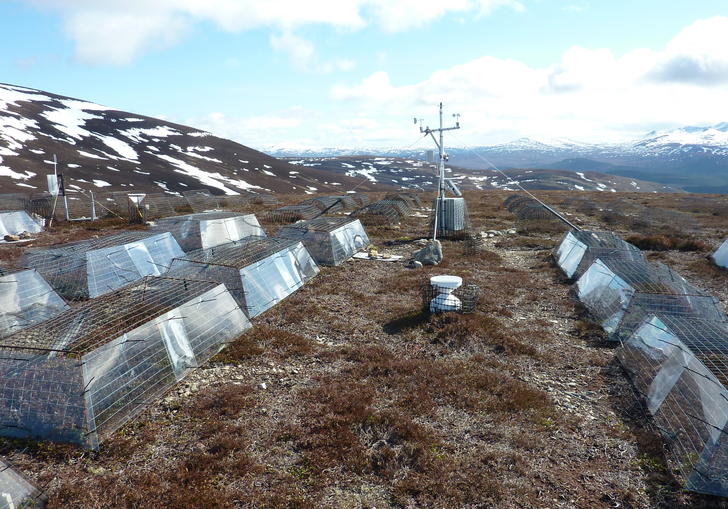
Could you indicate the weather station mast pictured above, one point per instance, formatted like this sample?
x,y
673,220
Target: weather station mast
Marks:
x,y
450,214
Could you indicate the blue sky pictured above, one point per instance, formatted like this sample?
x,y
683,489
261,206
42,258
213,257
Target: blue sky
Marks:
x,y
353,73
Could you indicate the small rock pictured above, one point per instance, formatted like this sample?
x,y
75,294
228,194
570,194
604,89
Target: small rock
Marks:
x,y
25,235
421,242
430,254
413,264
494,233
512,231
11,238
263,386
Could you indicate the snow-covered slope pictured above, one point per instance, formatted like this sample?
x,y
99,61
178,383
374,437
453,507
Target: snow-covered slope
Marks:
x,y
416,174
100,148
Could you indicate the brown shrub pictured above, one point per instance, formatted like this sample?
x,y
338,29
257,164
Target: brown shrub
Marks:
x,y
224,401
665,243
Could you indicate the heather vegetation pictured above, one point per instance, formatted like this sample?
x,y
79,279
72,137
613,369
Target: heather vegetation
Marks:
x,y
348,395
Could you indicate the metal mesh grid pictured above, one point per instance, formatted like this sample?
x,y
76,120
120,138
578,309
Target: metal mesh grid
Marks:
x,y
330,240
201,200
378,213
514,202
680,367
329,204
79,376
402,207
88,268
453,221
209,229
292,213
153,206
411,200
26,299
360,199
579,249
619,293
259,272
13,201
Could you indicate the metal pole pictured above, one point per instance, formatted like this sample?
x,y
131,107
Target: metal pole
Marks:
x,y
93,207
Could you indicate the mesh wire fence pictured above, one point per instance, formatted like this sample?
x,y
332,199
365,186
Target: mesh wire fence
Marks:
x,y
453,220
201,200
292,213
93,267
81,375
379,213
26,299
679,365
579,249
330,240
209,229
153,206
259,271
619,293
328,204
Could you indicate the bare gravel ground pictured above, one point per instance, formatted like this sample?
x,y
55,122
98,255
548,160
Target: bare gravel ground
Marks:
x,y
347,395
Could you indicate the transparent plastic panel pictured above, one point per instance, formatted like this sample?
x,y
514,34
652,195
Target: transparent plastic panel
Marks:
x,y
113,267
25,299
16,492
41,397
604,294
174,336
720,257
212,320
216,232
125,374
17,221
569,254
271,280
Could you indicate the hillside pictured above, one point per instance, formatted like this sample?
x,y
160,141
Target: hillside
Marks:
x,y
100,148
418,175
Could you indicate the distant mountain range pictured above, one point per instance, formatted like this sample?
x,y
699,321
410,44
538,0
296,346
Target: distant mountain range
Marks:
x,y
692,158
101,149
419,175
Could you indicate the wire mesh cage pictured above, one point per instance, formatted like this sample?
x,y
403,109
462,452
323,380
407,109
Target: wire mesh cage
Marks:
x,y
16,491
330,240
93,267
466,299
292,213
13,201
411,200
81,375
401,205
680,366
720,256
378,213
579,249
151,206
618,294
26,299
514,202
453,221
209,229
236,202
40,205
259,271
326,204
13,222
361,199
201,200
473,244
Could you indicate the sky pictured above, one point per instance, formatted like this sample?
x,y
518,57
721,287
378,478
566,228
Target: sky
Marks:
x,y
354,73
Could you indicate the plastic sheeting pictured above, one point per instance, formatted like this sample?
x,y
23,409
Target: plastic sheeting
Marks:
x,y
13,222
579,249
330,240
209,229
260,272
680,367
94,267
16,492
25,299
618,294
81,375
720,257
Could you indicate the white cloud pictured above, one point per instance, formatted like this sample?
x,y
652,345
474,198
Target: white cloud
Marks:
x,y
299,50
589,94
118,31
